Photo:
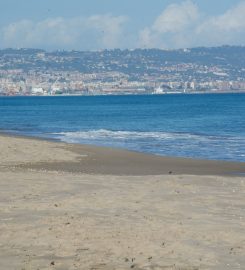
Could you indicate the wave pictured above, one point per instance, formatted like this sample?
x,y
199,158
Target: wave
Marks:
x,y
163,143
122,135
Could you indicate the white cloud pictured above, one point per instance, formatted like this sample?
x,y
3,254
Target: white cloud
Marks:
x,y
98,31
177,26
176,18
226,28
232,20
184,25
168,28
110,28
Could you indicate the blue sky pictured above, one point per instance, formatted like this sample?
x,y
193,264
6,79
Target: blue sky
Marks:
x,y
100,24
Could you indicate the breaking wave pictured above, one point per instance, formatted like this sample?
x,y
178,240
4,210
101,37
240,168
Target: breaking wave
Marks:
x,y
163,143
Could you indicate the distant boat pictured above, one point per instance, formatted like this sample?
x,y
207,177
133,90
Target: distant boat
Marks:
x,y
158,90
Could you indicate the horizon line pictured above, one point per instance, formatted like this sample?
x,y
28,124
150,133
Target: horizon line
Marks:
x,y
120,49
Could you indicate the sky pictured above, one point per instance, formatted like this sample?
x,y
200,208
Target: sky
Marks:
x,y
108,24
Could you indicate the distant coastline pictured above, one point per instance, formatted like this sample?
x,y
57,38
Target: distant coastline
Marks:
x,y
139,71
131,94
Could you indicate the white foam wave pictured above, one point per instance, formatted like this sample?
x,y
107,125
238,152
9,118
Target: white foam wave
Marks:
x,y
120,136
163,143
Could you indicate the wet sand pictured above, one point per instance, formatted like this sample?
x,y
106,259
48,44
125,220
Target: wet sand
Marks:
x,y
84,207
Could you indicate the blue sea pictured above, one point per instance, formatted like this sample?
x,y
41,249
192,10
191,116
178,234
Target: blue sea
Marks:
x,y
203,126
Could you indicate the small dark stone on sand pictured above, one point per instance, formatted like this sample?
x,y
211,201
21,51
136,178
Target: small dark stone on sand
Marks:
x,y
170,172
52,263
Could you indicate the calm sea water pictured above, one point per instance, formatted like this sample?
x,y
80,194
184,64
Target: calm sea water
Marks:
x,y
210,126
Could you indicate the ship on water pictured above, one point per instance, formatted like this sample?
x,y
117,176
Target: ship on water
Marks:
x,y
160,91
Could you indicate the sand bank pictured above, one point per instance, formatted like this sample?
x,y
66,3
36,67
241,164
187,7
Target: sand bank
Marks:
x,y
83,207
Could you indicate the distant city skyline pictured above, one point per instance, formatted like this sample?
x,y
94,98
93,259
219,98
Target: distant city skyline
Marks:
x,y
108,24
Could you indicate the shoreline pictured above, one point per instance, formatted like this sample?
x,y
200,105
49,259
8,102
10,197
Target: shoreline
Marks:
x,y
92,159
133,94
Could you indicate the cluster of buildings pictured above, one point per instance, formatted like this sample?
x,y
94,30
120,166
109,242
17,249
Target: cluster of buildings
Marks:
x,y
17,82
35,72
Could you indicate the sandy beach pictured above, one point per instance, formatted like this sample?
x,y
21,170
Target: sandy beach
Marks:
x,y
84,207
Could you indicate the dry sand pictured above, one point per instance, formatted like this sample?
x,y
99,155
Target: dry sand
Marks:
x,y
82,207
